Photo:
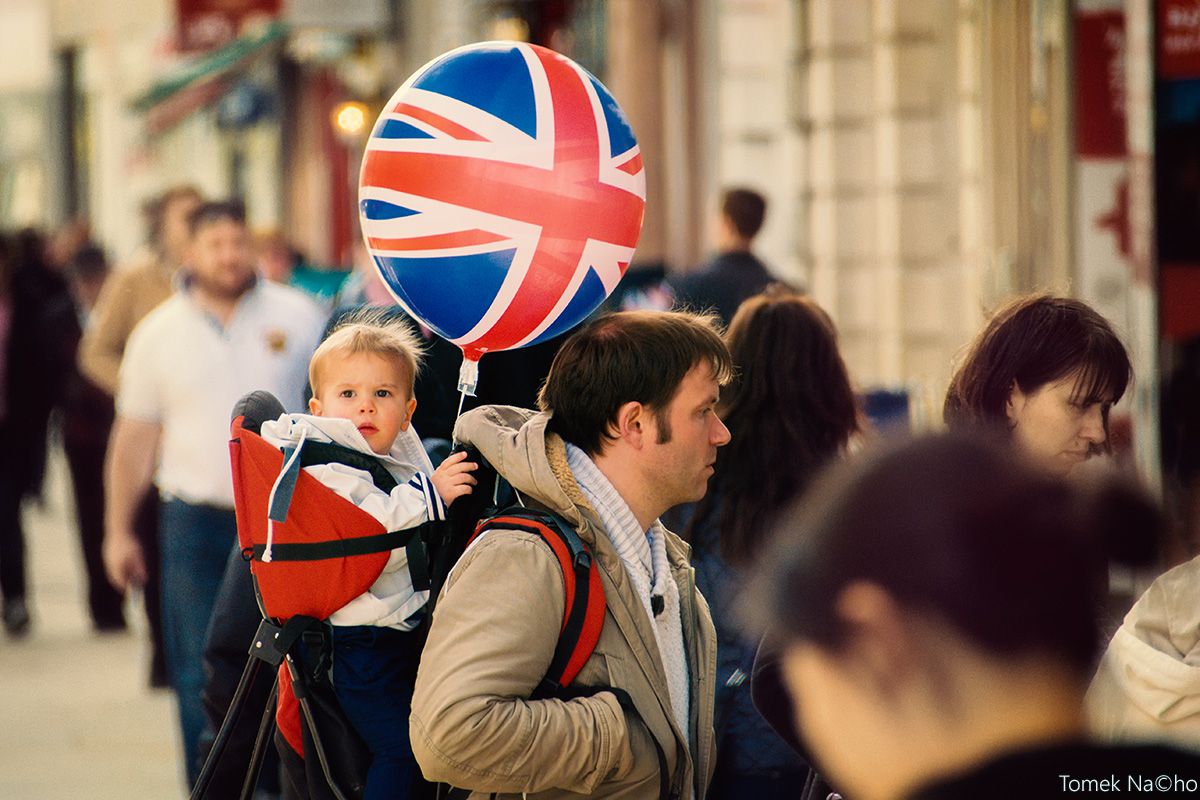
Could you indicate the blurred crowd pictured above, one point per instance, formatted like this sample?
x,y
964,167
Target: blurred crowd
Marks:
x,y
919,618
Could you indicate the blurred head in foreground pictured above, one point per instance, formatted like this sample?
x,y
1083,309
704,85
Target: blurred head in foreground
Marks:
x,y
1047,369
938,604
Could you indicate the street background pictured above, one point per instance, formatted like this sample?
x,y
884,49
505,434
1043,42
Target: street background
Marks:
x,y
923,161
76,717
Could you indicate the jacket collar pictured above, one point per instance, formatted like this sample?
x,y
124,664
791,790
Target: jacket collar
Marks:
x,y
516,442
534,462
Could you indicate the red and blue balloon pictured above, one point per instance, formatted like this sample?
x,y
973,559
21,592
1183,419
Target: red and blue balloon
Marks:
x,y
501,196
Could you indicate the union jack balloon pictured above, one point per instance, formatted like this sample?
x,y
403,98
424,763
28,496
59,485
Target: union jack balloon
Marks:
x,y
501,196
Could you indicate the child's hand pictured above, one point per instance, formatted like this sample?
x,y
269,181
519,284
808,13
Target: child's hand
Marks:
x,y
453,478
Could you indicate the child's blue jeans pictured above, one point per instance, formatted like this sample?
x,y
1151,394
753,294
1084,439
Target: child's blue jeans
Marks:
x,y
374,670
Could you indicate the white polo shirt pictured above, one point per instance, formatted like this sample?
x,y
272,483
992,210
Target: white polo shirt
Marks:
x,y
184,371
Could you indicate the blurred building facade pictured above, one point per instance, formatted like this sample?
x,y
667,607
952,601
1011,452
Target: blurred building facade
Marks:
x,y
923,159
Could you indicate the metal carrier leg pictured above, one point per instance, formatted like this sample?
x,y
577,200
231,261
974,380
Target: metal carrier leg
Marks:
x,y
306,709
236,706
265,728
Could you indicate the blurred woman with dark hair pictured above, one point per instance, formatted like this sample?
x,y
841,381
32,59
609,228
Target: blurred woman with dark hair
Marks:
x,y
791,410
936,609
1047,369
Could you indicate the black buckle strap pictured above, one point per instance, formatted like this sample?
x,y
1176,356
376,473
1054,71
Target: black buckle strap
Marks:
x,y
417,553
335,548
314,453
664,780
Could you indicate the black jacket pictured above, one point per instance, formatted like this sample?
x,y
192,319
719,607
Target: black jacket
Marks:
x,y
722,284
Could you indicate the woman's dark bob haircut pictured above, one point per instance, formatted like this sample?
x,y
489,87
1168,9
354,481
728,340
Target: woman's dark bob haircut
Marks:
x,y
960,528
1033,341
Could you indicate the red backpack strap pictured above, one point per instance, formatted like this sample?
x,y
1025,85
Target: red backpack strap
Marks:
x,y
583,615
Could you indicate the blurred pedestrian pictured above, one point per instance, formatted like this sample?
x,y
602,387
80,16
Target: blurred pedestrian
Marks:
x,y
1047,370
66,242
1147,687
86,415
791,410
280,261
130,294
937,607
137,289
221,335
735,273
28,286
12,534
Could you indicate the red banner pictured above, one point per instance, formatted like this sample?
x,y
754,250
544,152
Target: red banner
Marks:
x,y
205,24
1179,38
1100,84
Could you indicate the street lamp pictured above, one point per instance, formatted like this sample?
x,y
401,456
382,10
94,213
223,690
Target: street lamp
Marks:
x,y
350,120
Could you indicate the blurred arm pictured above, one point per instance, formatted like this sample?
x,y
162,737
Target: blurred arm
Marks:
x,y
103,342
128,472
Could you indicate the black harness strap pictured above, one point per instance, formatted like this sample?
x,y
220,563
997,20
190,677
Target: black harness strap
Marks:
x,y
338,548
314,453
417,553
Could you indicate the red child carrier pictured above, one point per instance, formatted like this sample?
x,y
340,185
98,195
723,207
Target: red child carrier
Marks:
x,y
312,551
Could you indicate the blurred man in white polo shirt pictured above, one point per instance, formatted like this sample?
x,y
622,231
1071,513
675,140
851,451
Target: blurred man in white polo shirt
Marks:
x,y
222,334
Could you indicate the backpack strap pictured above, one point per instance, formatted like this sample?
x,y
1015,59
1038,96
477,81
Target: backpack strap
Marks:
x,y
583,615
583,618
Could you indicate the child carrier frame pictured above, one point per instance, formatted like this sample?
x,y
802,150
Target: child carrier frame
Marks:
x,y
311,551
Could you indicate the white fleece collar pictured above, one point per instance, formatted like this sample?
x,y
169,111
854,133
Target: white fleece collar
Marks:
x,y
406,457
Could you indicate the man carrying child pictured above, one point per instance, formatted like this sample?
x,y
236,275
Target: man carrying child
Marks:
x,y
627,430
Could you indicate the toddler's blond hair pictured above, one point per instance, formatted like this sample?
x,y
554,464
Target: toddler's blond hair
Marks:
x,y
370,331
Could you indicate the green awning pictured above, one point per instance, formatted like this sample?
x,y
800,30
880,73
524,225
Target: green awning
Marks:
x,y
204,79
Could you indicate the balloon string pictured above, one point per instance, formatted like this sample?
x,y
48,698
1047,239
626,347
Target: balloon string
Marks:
x,y
462,396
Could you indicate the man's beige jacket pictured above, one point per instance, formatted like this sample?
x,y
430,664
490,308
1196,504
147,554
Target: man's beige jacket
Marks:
x,y
494,632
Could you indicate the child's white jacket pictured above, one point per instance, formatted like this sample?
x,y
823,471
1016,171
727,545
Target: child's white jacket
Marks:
x,y
391,601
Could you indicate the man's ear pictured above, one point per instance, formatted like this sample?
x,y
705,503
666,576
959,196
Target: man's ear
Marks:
x,y
878,636
630,425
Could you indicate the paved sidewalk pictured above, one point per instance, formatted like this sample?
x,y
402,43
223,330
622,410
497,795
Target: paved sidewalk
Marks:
x,y
76,717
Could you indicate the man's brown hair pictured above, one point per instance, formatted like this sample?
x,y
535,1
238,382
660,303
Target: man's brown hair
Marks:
x,y
745,209
630,356
155,209
211,211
